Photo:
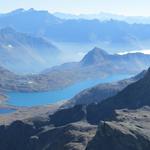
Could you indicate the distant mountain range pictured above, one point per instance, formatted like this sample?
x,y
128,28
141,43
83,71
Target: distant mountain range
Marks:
x,y
20,20
113,34
120,122
111,116
23,53
97,64
105,17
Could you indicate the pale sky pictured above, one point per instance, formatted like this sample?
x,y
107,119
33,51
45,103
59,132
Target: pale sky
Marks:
x,y
125,7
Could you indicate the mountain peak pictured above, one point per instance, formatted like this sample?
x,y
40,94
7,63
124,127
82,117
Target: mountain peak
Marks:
x,y
147,74
95,56
17,11
98,50
32,10
26,11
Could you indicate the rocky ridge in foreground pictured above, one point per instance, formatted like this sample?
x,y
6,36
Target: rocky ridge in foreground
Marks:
x,y
118,123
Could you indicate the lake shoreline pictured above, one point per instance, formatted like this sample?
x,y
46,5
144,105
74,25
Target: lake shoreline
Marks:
x,y
25,113
52,97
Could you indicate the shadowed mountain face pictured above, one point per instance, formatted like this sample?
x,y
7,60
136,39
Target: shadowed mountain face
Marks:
x,y
67,129
28,50
115,34
30,137
113,116
130,132
102,91
134,96
100,57
95,57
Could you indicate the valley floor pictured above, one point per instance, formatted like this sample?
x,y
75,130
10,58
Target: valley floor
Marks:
x,y
23,113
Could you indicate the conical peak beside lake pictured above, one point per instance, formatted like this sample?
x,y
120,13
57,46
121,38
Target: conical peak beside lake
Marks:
x,y
95,56
74,82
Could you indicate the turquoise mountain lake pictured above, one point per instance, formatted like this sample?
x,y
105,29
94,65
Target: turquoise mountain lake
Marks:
x,y
50,97
6,111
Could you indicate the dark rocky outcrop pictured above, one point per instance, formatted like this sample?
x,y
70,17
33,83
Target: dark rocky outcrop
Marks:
x,y
123,124
16,136
130,132
25,136
65,116
100,92
135,95
70,137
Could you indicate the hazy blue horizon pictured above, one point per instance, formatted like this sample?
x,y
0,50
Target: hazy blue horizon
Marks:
x,y
51,12
127,8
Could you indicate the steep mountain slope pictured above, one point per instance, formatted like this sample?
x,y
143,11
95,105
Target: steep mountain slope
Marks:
x,y
95,57
134,96
72,128
100,57
28,50
102,91
130,132
98,63
31,137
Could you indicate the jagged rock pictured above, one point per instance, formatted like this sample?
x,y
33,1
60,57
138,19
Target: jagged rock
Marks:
x,y
25,136
131,132
125,125
70,115
102,91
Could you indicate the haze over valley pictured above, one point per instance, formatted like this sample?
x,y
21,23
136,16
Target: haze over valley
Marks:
x,y
68,39
74,78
